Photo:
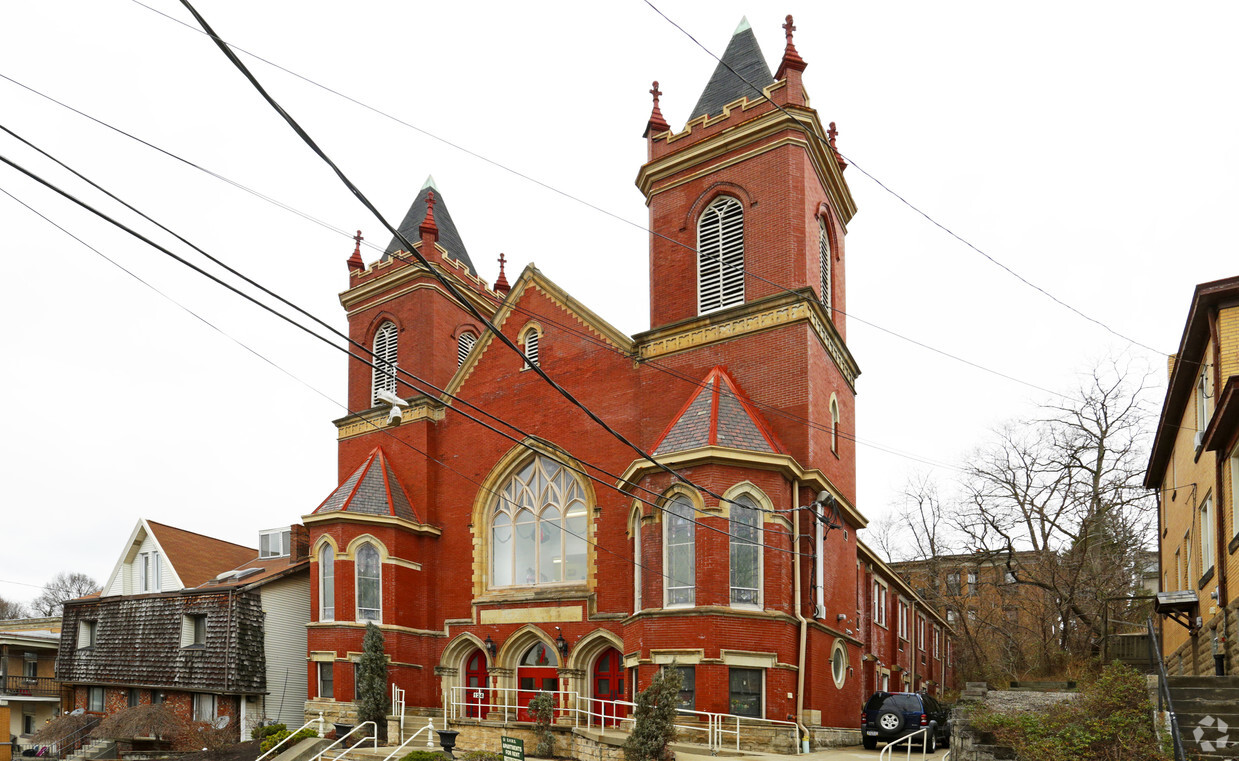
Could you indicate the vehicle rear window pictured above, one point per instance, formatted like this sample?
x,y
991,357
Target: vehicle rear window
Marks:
x,y
902,703
875,701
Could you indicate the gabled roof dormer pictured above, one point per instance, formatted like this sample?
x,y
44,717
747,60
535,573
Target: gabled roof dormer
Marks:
x,y
161,558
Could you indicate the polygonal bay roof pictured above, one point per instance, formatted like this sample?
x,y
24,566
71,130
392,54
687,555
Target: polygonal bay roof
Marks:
x,y
371,489
719,414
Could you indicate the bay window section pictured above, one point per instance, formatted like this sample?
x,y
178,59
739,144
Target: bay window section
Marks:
x,y
681,555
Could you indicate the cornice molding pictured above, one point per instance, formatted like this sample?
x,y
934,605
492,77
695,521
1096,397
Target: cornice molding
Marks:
x,y
375,419
381,520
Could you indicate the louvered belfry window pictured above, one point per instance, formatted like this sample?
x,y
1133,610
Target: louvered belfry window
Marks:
x,y
720,255
531,347
823,245
464,345
384,360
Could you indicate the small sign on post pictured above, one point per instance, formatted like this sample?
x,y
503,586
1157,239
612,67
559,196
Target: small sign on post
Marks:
x,y
513,748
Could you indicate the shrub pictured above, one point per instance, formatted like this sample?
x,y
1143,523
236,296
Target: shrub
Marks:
x,y
1108,721
372,697
654,730
543,709
260,733
272,739
157,720
60,728
205,735
424,755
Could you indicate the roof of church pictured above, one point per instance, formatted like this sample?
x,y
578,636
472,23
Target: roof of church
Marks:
x,y
718,415
745,58
449,237
372,489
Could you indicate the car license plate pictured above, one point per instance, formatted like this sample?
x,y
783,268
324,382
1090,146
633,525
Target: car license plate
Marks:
x,y
871,732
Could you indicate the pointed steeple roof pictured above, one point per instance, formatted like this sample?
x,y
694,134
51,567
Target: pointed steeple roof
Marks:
x,y
744,56
718,415
372,489
449,238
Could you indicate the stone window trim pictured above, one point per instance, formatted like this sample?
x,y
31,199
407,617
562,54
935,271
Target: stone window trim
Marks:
x,y
720,255
757,508
530,340
365,553
538,524
385,345
680,504
839,653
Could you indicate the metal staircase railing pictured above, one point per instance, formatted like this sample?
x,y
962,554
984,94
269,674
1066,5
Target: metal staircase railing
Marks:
x,y
1163,694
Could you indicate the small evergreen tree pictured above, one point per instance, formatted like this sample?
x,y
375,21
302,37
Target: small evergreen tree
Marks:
x,y
543,709
654,730
372,700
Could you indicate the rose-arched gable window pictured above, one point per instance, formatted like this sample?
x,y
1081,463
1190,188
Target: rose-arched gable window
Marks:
x,y
538,527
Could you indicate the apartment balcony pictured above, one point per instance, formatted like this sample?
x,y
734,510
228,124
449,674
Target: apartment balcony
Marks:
x,y
14,685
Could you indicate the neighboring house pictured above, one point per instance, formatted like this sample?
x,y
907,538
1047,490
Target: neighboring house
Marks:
x,y
495,563
29,693
210,627
1194,466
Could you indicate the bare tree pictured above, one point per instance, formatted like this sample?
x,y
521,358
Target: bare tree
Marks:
x,y
10,609
63,586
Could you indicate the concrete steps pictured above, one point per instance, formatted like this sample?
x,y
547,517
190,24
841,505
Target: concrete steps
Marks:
x,y
93,750
1207,708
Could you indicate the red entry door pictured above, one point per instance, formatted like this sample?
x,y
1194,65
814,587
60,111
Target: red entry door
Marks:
x,y
608,686
532,680
477,682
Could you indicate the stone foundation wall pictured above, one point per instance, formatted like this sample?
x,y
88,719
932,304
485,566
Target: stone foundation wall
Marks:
x,y
1195,657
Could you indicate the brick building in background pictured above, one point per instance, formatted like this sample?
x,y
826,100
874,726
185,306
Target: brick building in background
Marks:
x,y
558,558
209,627
1194,466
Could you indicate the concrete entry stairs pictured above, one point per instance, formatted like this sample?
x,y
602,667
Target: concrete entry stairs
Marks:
x,y
1207,708
93,750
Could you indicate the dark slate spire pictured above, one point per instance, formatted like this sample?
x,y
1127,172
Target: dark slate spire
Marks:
x,y
449,238
744,56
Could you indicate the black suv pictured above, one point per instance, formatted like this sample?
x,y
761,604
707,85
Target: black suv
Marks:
x,y
891,716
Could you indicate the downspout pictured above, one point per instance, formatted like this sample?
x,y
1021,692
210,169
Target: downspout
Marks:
x,y
912,641
1219,532
798,607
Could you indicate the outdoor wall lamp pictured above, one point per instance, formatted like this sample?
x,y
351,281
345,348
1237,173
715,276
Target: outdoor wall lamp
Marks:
x,y
561,644
491,647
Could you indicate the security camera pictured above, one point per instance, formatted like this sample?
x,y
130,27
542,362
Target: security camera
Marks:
x,y
383,395
841,617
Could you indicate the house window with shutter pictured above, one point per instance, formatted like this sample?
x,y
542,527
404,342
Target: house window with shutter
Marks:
x,y
823,245
720,255
385,344
464,345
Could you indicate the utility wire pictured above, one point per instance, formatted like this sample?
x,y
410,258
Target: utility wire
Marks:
x,y
371,364
441,277
761,94
387,433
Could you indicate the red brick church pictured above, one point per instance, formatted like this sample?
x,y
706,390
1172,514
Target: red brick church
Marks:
x,y
557,558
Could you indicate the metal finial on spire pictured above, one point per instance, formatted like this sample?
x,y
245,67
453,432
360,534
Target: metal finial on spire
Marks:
x,y
354,261
501,282
656,92
656,123
831,134
789,27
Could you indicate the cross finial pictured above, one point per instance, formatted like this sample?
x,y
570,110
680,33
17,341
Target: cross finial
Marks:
x,y
357,243
430,199
832,133
501,283
502,259
656,92
354,262
789,28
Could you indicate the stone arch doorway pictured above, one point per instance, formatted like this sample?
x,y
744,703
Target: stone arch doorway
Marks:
x,y
607,686
537,671
477,685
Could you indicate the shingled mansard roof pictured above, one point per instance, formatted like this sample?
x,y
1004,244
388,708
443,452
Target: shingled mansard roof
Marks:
x,y
718,415
449,237
372,489
745,58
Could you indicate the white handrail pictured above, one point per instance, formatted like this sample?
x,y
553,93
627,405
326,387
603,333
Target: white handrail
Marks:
x,y
375,737
397,705
428,729
274,748
887,752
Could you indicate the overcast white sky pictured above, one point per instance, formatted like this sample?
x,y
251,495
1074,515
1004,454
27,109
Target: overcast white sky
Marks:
x,y
1088,146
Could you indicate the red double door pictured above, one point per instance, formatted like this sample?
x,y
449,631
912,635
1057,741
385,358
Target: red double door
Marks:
x,y
609,686
477,683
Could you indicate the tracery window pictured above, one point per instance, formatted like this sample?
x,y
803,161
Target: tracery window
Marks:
x,y
385,345
538,528
369,570
681,555
720,255
745,555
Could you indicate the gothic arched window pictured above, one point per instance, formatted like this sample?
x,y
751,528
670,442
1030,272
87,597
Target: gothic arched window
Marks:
x,y
369,569
720,255
538,528
679,538
464,345
384,360
823,245
834,426
326,583
745,555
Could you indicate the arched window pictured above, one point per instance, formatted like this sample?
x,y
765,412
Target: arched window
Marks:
x,y
745,555
384,360
464,345
540,655
681,555
720,255
823,245
636,562
834,425
538,528
326,583
369,570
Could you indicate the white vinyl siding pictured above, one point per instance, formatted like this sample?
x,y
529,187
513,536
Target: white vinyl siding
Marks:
x,y
385,355
823,246
128,578
286,608
464,345
720,255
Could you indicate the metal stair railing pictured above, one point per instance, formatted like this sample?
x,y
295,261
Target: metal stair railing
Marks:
x,y
889,750
373,736
428,729
274,748
1163,694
